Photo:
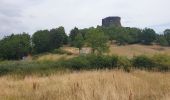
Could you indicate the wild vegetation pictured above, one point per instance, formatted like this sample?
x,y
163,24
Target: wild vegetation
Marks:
x,y
17,46
89,62
88,85
54,73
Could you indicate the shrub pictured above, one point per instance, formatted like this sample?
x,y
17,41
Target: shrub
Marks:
x,y
60,51
99,61
124,62
143,62
76,63
162,62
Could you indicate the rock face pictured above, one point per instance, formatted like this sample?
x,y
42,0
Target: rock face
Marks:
x,y
111,21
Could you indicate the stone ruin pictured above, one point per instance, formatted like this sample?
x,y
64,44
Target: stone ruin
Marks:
x,y
112,21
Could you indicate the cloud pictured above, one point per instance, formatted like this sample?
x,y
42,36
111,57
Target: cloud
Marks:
x,y
31,15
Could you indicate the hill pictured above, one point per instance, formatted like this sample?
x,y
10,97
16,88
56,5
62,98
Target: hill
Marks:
x,y
129,50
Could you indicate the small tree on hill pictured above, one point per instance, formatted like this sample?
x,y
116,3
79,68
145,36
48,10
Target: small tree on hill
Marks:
x,y
97,40
79,42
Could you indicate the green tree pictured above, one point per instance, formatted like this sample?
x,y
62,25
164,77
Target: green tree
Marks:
x,y
15,46
167,35
45,41
148,36
73,33
79,41
58,37
97,40
41,41
162,40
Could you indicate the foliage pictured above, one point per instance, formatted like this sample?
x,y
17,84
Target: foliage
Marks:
x,y
79,41
162,40
167,35
143,62
44,40
41,41
15,46
73,33
162,62
97,40
148,36
88,62
61,51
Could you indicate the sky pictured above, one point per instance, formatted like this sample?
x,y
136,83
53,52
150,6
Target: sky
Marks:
x,y
17,16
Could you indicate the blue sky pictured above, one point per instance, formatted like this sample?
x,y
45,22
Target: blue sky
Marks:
x,y
18,16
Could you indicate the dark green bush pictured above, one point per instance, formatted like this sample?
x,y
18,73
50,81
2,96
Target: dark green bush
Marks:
x,y
99,62
143,62
93,62
76,63
60,51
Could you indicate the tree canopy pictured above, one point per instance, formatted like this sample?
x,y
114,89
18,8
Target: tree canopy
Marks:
x,y
15,46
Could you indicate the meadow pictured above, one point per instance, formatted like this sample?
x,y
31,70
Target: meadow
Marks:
x,y
132,74
88,85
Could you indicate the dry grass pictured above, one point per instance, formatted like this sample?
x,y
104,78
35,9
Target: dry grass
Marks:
x,y
90,85
135,50
129,50
54,57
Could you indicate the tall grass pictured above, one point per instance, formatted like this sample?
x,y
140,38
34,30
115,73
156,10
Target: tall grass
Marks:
x,y
88,85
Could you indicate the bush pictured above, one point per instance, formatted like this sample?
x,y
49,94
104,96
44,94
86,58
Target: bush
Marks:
x,y
95,62
99,62
124,63
60,51
76,63
162,62
158,62
27,68
143,62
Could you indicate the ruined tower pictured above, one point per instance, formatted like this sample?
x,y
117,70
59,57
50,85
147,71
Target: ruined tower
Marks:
x,y
111,21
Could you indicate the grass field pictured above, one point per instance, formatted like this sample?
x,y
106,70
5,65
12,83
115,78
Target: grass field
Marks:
x,y
136,49
40,78
127,50
88,85
130,50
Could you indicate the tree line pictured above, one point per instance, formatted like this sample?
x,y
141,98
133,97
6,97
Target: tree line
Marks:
x,y
16,46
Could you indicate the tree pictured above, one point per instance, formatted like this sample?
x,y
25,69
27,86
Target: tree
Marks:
x,y
45,41
162,40
41,41
73,33
58,38
15,46
167,35
79,41
148,36
97,40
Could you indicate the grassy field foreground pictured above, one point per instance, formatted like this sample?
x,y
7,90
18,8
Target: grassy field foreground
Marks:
x,y
88,85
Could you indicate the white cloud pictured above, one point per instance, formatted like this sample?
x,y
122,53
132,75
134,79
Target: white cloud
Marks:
x,y
32,15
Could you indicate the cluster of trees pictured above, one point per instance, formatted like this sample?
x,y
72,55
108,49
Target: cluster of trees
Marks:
x,y
20,45
15,46
127,35
45,40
